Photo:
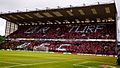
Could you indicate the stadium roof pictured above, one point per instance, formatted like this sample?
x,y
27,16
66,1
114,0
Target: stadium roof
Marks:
x,y
70,14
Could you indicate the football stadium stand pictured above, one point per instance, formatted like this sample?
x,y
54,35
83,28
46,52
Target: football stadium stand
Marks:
x,y
85,29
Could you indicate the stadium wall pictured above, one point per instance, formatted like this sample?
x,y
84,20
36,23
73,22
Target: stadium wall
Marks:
x,y
10,28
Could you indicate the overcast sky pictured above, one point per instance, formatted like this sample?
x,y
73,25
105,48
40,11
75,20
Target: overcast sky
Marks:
x,y
13,5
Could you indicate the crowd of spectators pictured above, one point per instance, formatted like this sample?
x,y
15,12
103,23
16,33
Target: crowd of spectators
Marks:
x,y
72,47
10,45
65,32
85,47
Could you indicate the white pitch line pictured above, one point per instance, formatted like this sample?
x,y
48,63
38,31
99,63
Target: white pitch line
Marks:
x,y
42,63
88,66
80,64
105,63
95,62
10,62
102,62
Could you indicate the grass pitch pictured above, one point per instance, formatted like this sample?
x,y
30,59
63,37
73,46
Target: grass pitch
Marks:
x,y
18,59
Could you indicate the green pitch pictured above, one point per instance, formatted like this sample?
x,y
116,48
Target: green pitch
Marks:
x,y
15,59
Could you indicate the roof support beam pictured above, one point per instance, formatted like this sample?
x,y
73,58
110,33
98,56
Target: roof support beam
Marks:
x,y
13,17
81,12
94,11
38,15
28,16
47,14
58,14
70,13
107,9
20,16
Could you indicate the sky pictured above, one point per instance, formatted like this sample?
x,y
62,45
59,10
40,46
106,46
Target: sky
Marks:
x,y
22,5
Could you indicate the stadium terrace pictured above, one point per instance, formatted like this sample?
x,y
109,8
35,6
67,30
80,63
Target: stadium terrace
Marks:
x,y
86,29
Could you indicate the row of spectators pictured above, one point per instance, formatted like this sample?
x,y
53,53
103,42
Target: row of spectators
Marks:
x,y
66,32
73,47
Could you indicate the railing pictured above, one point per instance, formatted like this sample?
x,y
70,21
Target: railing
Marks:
x,y
62,40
